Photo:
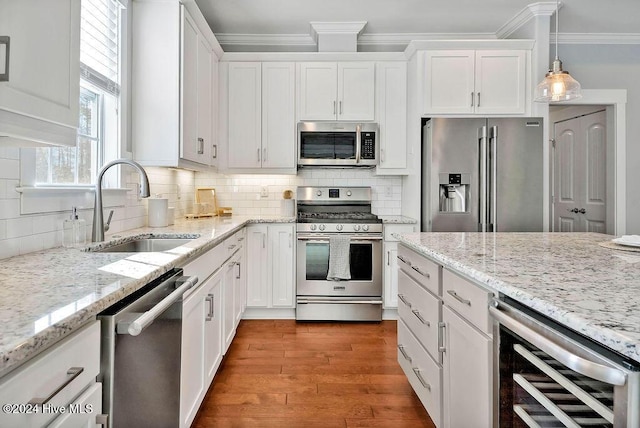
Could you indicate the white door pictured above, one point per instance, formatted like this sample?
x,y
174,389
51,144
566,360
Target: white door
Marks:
x,y
448,82
189,147
500,81
257,271
228,305
391,86
278,115
281,256
356,91
317,90
213,325
205,101
467,382
580,174
245,130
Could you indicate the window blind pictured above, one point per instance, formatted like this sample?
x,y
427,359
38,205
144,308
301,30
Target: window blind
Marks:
x,y
100,44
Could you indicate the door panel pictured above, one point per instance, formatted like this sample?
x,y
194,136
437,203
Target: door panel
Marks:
x,y
580,174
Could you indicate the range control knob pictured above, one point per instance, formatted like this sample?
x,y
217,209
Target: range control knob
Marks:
x,y
321,227
339,227
319,193
365,227
356,227
312,227
348,192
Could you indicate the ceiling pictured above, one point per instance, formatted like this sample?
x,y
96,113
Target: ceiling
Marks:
x,y
265,25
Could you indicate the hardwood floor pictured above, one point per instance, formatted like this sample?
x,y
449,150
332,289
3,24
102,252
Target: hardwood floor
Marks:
x,y
279,373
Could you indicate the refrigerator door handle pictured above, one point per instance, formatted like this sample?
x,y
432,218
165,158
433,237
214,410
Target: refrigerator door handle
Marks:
x,y
482,179
493,180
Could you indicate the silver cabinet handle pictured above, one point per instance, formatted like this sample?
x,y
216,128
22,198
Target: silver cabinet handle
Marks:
x,y
422,320
574,210
472,100
403,260
340,107
334,107
210,298
401,297
72,373
200,145
239,269
381,155
458,298
258,154
290,240
404,353
143,321
231,247
264,239
241,239
441,334
5,40
264,154
424,383
478,99
582,211
214,149
417,269
389,258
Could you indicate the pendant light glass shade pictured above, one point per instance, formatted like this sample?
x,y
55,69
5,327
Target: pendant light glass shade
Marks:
x,y
558,85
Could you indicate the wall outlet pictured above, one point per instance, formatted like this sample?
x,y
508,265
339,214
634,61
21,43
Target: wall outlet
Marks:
x,y
178,194
264,192
388,191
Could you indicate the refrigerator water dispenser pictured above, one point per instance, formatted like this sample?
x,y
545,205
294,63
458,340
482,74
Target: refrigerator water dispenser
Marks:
x,y
454,192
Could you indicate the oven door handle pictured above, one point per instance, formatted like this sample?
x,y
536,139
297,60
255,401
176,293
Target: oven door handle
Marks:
x,y
358,302
563,355
325,238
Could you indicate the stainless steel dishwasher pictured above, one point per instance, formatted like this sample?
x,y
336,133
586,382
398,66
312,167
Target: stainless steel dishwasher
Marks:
x,y
140,355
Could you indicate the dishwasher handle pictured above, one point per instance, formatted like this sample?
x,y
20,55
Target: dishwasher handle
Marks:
x,y
136,326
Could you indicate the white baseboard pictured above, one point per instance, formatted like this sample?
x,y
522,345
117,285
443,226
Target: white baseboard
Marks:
x,y
269,314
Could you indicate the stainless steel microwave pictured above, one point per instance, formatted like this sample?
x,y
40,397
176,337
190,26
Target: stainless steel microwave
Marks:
x,y
337,144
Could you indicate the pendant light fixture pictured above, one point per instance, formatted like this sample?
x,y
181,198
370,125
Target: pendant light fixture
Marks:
x,y
558,85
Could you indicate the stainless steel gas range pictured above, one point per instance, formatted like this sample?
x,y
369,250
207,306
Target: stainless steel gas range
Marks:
x,y
339,255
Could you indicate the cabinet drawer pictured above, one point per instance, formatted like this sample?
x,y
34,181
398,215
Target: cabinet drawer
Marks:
x,y
205,265
85,409
425,272
468,300
420,311
424,375
70,365
390,229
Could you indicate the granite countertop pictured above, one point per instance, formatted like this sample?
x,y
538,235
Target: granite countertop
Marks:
x,y
47,294
566,276
397,219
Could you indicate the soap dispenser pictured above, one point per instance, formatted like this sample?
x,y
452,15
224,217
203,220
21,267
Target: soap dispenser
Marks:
x,y
73,231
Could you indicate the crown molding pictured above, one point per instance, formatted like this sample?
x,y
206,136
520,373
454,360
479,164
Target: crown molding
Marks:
x,y
352,27
406,38
596,38
266,39
525,15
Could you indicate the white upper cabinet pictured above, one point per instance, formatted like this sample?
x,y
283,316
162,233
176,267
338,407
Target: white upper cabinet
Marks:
x,y
39,90
261,104
391,92
474,82
173,86
336,91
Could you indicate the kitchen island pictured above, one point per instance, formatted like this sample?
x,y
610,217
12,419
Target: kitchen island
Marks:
x,y
46,295
568,277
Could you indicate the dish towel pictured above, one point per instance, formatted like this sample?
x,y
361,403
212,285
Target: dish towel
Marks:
x,y
339,258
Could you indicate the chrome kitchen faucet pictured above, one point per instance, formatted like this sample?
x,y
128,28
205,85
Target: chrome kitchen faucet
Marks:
x,y
97,234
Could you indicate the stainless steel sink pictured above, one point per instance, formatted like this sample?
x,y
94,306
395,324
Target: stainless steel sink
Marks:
x,y
145,245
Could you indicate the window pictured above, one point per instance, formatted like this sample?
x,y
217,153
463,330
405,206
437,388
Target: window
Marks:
x,y
100,53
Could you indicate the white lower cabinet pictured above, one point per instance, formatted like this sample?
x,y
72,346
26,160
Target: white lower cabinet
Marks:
x,y
467,374
390,248
63,376
208,322
270,274
445,344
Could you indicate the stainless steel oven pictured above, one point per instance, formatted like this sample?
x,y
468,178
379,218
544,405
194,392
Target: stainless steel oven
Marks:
x,y
343,214
337,144
550,376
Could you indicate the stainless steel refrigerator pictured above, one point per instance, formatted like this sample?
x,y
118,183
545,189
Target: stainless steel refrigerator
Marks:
x,y
482,175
